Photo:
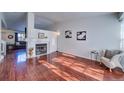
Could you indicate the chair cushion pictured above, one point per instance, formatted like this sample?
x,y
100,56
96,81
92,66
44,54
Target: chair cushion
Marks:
x,y
115,52
110,53
104,59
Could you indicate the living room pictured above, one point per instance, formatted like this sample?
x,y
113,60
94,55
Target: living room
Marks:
x,y
82,46
61,46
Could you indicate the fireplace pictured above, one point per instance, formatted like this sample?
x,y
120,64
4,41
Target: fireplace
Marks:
x,y
41,49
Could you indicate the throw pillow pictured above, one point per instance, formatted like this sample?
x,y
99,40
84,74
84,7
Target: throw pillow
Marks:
x,y
108,54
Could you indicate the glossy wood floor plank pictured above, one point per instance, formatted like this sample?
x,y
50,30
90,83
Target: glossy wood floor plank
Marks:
x,y
54,67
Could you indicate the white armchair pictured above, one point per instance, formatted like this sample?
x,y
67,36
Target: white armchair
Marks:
x,y
116,61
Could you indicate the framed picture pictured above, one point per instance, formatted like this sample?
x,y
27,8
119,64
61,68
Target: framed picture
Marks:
x,y
81,35
41,35
68,34
10,36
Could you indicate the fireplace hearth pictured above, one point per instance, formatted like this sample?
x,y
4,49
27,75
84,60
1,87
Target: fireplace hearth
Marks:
x,y
41,49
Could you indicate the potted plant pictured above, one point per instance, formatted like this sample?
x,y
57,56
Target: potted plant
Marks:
x,y
31,51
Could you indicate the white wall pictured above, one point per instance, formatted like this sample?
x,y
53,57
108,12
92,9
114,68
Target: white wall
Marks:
x,y
5,33
122,36
32,37
1,20
103,32
51,38
0,34
30,27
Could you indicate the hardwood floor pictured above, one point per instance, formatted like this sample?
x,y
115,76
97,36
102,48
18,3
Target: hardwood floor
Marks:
x,y
54,67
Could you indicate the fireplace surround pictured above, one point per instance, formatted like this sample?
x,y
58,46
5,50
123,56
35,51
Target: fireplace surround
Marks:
x,y
41,49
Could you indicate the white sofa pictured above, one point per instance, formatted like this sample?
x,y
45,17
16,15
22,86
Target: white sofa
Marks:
x,y
116,61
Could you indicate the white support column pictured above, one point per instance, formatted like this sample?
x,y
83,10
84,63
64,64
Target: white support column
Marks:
x,y
30,27
0,35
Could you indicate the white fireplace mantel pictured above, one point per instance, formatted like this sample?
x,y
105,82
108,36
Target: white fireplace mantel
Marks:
x,y
51,41
33,45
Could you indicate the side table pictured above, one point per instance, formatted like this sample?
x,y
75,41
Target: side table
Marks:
x,y
95,54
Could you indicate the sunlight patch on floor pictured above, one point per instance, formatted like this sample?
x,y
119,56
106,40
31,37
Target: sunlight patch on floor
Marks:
x,y
60,73
97,74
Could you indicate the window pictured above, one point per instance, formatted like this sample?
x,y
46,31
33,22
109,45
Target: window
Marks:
x,y
21,37
122,36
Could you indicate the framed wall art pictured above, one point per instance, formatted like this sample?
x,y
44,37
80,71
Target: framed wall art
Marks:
x,y
68,34
81,35
10,36
41,35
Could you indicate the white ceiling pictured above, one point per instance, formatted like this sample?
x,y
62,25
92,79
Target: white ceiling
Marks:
x,y
65,16
17,20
